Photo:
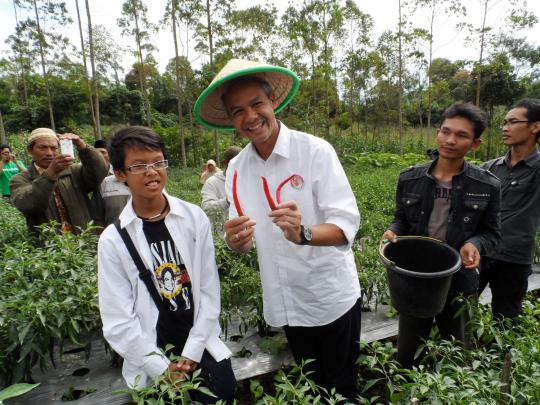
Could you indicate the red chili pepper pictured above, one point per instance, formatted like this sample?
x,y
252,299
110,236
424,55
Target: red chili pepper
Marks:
x,y
278,191
235,196
268,195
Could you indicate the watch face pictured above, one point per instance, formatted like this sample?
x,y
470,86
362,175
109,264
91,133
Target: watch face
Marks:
x,y
308,235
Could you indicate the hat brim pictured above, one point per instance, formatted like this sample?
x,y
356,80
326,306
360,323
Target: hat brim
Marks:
x,y
210,111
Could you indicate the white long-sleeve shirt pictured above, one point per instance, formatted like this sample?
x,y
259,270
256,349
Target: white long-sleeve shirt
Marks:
x,y
127,310
302,285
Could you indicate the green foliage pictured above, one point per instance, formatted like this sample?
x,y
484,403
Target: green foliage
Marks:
x,y
163,391
15,390
449,374
295,387
49,294
12,224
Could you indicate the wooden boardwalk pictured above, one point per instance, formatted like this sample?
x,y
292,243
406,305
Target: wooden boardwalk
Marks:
x,y
105,380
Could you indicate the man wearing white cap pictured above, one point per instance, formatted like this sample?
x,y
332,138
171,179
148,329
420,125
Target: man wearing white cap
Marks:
x,y
304,238
53,188
210,168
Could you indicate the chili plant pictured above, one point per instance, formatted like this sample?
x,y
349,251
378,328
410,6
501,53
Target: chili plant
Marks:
x,y
49,294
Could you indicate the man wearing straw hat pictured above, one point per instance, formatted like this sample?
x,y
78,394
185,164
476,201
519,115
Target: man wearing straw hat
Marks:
x,y
455,202
53,187
309,279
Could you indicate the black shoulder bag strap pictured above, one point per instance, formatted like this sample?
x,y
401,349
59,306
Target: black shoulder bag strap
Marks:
x,y
144,274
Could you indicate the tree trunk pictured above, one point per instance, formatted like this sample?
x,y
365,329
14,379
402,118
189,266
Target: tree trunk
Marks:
x,y
178,91
95,89
481,58
211,49
85,69
400,98
142,80
2,129
430,102
45,75
21,62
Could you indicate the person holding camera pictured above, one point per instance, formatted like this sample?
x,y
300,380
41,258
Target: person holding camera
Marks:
x,y
9,166
54,187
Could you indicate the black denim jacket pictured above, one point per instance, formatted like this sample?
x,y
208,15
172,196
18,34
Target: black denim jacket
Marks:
x,y
474,211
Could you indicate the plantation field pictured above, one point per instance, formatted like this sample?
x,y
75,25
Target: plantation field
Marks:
x,y
49,298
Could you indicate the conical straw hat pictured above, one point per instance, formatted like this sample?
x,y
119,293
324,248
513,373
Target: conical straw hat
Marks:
x,y
209,109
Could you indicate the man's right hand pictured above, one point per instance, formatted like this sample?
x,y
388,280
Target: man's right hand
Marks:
x,y
59,163
390,236
239,233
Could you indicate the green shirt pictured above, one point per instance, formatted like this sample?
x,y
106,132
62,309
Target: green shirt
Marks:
x,y
8,171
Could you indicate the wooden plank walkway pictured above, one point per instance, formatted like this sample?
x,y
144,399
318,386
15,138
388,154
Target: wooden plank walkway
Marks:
x,y
105,380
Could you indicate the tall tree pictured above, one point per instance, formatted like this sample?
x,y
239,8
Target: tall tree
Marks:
x,y
135,23
85,68
357,61
173,12
19,52
436,9
210,31
95,89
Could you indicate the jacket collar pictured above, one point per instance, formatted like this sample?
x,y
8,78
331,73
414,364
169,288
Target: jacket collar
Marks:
x,y
530,160
128,215
429,168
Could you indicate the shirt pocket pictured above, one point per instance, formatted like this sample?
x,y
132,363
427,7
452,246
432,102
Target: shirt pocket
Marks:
x,y
412,205
474,210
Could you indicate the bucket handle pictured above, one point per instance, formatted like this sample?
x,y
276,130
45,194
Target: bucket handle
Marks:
x,y
383,242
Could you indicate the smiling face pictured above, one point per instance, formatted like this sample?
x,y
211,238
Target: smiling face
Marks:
x,y
44,151
147,186
455,138
252,114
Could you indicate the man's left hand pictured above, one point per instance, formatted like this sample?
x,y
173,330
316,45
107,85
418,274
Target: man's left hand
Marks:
x,y
77,141
288,218
470,256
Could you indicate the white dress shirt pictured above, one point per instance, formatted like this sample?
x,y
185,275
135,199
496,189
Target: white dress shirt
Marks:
x,y
127,310
302,285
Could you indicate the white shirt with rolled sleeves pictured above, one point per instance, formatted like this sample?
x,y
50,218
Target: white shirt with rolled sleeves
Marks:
x,y
127,310
302,285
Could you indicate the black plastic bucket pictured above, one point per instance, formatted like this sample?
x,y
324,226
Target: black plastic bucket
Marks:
x,y
419,271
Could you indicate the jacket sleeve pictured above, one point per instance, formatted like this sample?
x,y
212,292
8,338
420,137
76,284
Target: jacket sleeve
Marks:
x,y
399,225
92,171
121,325
31,197
206,319
210,198
488,233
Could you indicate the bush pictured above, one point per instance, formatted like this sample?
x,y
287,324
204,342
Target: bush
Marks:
x,y
49,294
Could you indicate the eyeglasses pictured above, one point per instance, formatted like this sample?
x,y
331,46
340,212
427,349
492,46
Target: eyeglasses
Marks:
x,y
143,168
510,123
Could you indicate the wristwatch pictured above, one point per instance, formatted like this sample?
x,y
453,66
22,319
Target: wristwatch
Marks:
x,y
306,235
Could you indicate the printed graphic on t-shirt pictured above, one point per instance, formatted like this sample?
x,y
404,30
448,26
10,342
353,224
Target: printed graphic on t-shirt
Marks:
x,y
438,221
443,193
171,274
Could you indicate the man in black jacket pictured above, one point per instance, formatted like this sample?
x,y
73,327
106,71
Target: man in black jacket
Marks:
x,y
507,268
453,201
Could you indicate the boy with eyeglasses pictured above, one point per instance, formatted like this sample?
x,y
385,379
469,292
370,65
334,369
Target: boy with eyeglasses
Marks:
x,y
507,267
164,289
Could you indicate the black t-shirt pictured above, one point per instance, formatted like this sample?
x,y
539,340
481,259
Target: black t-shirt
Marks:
x,y
176,314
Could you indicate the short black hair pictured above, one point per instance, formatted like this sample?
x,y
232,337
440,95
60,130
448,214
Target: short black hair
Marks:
x,y
230,153
470,112
100,143
4,146
133,137
532,105
243,80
